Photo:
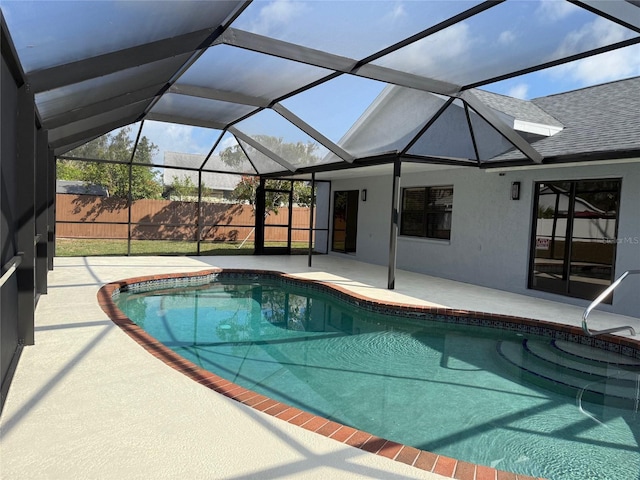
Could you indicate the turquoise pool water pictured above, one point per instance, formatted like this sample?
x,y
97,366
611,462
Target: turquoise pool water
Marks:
x,y
445,389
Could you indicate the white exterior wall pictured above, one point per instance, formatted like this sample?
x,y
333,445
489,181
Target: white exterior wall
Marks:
x,y
490,233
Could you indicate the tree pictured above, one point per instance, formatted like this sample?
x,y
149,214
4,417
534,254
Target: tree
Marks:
x,y
183,186
96,148
300,152
114,177
245,190
303,153
247,187
69,170
145,151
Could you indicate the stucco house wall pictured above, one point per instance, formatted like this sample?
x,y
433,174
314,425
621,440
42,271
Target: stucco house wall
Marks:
x,y
490,233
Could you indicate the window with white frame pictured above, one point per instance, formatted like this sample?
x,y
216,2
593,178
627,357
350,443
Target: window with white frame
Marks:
x,y
426,212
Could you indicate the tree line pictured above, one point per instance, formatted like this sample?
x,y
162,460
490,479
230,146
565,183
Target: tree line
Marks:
x,y
114,177
146,181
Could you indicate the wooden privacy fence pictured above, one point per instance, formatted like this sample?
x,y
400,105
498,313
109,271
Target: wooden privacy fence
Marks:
x,y
90,216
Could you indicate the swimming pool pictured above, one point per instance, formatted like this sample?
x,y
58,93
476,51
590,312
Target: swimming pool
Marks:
x,y
440,382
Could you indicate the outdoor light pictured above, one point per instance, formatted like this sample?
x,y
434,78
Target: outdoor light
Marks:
x,y
515,191
363,196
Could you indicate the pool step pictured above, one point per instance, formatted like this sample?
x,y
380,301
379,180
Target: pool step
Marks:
x,y
583,358
593,375
593,355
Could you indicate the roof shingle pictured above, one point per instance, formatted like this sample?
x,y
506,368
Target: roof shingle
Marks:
x,y
600,119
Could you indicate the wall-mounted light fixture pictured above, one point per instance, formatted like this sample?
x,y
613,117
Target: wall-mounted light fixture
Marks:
x,y
515,191
363,195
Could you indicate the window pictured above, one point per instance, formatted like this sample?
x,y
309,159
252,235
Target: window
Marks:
x,y
426,212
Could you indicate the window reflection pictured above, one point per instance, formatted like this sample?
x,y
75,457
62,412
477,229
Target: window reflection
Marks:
x,y
426,212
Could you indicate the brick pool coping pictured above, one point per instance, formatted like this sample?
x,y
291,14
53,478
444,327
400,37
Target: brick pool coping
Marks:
x,y
420,459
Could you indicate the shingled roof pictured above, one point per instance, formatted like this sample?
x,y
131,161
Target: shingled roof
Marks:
x,y
78,187
602,121
518,109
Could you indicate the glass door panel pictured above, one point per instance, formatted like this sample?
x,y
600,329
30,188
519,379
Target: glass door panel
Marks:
x,y
593,237
345,221
549,271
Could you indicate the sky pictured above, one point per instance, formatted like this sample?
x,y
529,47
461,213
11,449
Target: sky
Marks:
x,y
504,38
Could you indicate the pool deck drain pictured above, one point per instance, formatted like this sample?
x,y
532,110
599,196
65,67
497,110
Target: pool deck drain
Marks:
x,y
85,404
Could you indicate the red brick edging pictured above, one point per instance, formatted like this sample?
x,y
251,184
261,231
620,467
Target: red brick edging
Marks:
x,y
420,459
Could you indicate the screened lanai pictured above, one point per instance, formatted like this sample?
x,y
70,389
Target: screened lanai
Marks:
x,y
283,89
315,93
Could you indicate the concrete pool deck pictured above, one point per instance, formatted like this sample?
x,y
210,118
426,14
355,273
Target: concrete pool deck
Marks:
x,y
86,402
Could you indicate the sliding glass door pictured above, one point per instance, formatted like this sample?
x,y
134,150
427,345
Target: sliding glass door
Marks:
x,y
345,221
573,252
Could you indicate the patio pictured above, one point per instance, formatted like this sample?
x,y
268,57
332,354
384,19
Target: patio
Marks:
x,y
91,404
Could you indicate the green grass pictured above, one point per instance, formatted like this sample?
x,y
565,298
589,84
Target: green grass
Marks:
x,y
84,247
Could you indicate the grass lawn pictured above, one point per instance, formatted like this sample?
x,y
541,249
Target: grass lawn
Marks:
x,y
85,247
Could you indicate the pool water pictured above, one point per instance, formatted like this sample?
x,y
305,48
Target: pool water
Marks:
x,y
441,388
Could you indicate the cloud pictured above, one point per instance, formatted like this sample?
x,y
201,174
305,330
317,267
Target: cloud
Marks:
x,y
591,35
397,11
228,141
507,37
519,91
276,15
606,67
555,10
170,137
600,68
433,55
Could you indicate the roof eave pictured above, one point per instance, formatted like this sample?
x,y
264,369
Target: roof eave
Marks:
x,y
575,159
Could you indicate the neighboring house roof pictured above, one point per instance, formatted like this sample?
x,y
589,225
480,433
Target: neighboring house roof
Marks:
x,y
181,159
598,120
78,187
215,181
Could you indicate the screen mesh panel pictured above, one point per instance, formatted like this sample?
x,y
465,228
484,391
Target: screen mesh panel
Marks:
x,y
485,46
231,69
173,143
66,31
405,109
357,29
337,104
200,110
449,136
262,162
283,138
78,95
